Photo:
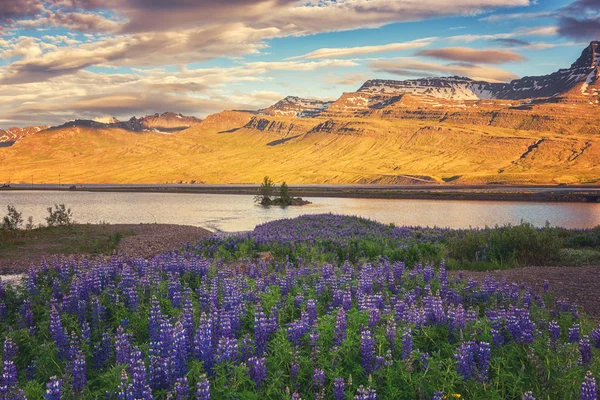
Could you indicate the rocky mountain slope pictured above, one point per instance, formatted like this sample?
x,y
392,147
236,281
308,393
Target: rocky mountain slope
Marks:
x,y
11,135
167,122
297,107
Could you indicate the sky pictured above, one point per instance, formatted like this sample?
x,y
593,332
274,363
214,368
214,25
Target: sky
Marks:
x,y
66,59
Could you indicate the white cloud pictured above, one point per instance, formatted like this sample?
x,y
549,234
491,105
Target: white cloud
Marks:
x,y
362,50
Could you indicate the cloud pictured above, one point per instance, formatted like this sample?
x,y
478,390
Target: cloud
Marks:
x,y
580,20
79,22
466,54
17,9
511,42
412,67
517,16
346,79
362,50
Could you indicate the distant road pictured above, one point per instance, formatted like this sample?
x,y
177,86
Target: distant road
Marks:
x,y
442,192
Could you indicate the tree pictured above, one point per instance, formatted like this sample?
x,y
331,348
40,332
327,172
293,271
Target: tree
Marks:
x,y
60,216
284,194
265,191
13,220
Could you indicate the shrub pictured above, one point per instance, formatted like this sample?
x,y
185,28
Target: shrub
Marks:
x,y
13,220
60,216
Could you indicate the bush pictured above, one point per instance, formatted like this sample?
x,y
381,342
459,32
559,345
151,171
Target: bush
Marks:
x,y
60,216
521,244
13,220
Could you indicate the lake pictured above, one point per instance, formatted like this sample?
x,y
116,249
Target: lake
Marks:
x,y
232,213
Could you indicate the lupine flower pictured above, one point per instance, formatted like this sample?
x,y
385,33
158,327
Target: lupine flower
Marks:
x,y
554,330
203,388
588,387
365,394
438,396
528,396
54,389
258,370
340,327
367,351
79,372
181,389
318,378
407,345
574,333
585,349
339,388
596,337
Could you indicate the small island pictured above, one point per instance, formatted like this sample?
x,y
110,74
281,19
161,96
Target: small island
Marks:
x,y
265,193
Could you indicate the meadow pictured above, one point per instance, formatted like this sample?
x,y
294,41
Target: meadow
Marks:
x,y
319,307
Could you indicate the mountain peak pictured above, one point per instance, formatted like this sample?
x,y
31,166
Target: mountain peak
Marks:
x,y
297,107
589,57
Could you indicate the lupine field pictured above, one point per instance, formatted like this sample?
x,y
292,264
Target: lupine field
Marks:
x,y
206,323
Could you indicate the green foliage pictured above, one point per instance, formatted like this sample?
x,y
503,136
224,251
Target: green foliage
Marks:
x,y
265,191
13,220
284,191
59,216
507,246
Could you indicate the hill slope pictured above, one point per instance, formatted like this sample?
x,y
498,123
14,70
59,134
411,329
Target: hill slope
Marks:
x,y
445,130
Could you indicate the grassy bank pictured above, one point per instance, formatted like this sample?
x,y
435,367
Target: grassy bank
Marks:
x,y
72,239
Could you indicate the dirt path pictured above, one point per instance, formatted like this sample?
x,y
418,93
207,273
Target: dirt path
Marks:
x,y
578,285
140,240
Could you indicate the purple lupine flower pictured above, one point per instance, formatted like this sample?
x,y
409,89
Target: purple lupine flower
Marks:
x,y
318,378
340,327
407,344
574,333
227,350
54,389
57,332
528,396
390,333
365,393
294,369
181,389
367,351
554,330
79,372
585,349
339,387
260,330
438,396
483,356
203,388
465,358
546,286
588,387
31,372
311,309
125,391
203,349
596,337
258,370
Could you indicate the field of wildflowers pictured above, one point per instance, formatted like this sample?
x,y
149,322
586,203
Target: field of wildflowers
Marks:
x,y
187,325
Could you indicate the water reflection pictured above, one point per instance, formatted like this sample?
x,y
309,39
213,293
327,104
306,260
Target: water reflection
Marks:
x,y
237,213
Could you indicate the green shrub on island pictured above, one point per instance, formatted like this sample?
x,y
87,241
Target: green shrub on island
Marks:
x,y
265,192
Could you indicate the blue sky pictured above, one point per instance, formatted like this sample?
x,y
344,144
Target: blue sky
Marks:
x,y
66,59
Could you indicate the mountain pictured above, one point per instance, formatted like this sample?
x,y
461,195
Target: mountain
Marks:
x,y
167,122
10,136
453,130
574,80
297,107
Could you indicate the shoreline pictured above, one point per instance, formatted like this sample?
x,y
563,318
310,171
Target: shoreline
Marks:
x,y
542,193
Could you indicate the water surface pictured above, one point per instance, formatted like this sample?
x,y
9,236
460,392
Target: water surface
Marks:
x,y
233,213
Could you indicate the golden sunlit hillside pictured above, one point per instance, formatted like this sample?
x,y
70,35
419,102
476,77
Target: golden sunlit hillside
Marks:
x,y
237,147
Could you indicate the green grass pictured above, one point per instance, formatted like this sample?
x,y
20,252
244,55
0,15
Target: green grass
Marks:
x,y
74,239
